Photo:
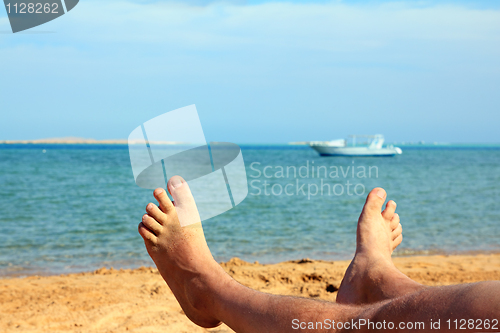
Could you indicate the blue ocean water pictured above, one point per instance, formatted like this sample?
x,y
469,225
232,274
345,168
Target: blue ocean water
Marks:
x,y
76,208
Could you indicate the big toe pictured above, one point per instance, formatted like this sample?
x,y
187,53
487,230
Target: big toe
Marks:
x,y
375,200
184,201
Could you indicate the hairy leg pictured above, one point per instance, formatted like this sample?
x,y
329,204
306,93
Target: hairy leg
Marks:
x,y
247,310
457,308
371,276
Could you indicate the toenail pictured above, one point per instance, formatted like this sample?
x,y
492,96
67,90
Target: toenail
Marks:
x,y
158,191
176,182
381,193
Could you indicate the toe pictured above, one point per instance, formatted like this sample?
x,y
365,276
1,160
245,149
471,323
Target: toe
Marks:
x,y
397,241
163,200
395,221
180,191
146,234
184,201
375,200
155,212
152,224
396,232
389,210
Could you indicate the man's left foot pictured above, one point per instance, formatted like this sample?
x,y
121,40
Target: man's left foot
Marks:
x,y
181,253
372,276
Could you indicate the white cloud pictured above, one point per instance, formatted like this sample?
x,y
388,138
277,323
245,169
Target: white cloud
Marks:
x,y
388,33
342,31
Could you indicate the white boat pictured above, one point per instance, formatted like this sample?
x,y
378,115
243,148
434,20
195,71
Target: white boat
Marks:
x,y
374,147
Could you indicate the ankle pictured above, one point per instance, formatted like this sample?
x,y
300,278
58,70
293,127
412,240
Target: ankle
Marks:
x,y
225,292
208,290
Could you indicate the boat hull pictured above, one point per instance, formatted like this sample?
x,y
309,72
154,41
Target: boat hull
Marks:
x,y
355,151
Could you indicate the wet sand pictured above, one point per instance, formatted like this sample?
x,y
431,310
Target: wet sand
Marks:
x,y
109,300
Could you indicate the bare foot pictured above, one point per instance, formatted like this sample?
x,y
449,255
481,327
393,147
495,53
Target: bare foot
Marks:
x,y
181,253
372,276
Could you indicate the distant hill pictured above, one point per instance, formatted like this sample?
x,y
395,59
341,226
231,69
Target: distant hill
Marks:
x,y
74,140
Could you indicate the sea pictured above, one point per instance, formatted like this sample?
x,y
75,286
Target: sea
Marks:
x,y
73,208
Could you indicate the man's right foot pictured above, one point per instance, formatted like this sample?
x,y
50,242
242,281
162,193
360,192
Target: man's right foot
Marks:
x,y
372,276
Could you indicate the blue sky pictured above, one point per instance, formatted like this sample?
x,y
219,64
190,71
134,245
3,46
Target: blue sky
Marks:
x,y
258,71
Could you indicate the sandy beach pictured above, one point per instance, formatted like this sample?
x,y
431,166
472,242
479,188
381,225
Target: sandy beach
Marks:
x,y
109,300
